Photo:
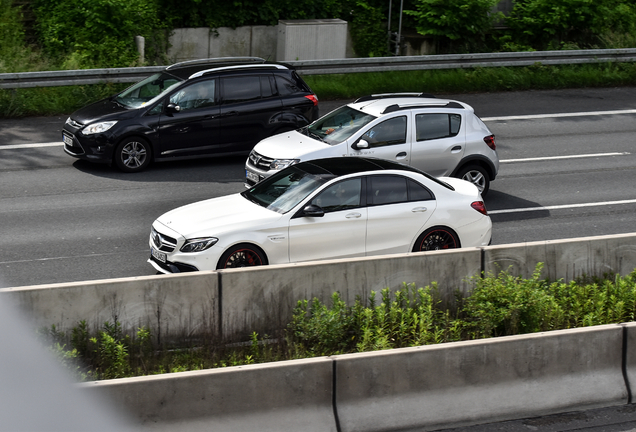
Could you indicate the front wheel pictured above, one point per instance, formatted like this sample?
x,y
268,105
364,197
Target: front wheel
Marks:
x,y
477,176
241,255
133,155
436,238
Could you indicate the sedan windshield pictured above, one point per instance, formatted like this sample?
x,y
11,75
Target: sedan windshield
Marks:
x,y
147,90
284,190
338,126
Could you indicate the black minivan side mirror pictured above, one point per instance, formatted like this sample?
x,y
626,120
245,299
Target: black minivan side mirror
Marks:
x,y
172,108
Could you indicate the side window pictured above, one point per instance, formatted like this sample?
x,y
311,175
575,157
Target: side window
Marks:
x,y
286,86
417,192
340,196
266,87
435,126
241,89
387,189
198,95
389,132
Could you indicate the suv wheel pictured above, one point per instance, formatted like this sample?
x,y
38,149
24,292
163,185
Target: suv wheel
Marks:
x,y
477,176
133,155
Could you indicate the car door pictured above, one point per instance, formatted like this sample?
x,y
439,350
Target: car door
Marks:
x,y
398,209
439,144
247,106
190,124
389,139
339,233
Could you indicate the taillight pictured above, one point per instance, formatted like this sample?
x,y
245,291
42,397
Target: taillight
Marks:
x,y
312,98
480,207
490,141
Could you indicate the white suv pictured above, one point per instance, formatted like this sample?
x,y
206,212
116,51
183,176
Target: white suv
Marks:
x,y
439,136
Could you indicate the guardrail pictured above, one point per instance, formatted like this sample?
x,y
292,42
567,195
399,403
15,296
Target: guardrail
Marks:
x,y
336,66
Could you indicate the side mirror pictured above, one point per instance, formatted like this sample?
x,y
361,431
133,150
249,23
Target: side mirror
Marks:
x,y
172,108
313,210
360,145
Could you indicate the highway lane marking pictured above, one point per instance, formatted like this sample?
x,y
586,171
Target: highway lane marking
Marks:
x,y
520,117
93,255
558,115
560,207
547,158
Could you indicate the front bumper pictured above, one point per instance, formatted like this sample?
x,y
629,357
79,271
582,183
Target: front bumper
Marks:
x,y
94,148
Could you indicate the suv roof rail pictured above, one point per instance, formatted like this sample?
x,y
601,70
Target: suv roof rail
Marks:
x,y
240,66
396,107
393,95
216,60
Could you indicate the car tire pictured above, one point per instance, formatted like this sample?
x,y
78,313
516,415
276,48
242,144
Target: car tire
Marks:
x,y
242,255
477,176
436,238
133,155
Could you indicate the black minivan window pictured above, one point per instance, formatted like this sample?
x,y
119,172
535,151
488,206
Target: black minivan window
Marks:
x,y
241,89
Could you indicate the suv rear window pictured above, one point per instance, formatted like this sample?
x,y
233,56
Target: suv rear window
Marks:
x,y
435,126
241,89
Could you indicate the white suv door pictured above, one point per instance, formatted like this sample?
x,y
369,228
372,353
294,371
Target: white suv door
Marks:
x,y
389,139
439,142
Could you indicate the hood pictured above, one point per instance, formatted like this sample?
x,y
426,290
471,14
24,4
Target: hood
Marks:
x,y
103,110
289,145
462,187
216,216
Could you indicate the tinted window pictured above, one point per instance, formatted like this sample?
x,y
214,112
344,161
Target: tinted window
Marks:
x,y
434,126
198,95
340,196
417,192
266,87
387,189
286,86
241,89
389,132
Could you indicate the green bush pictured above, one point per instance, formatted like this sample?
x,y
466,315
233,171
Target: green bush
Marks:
x,y
456,25
95,33
558,24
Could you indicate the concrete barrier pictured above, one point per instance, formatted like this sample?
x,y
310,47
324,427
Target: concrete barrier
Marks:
x,y
262,299
171,306
466,383
273,397
231,304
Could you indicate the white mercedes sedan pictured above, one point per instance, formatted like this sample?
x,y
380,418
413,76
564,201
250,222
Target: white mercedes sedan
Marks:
x,y
322,209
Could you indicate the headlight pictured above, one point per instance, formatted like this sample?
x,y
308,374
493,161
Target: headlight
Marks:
x,y
279,164
98,127
198,244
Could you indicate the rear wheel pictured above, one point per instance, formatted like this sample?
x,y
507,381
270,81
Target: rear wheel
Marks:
x,y
436,238
133,155
241,255
477,176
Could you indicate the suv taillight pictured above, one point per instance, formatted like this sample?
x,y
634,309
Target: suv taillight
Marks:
x,y
480,207
312,98
490,141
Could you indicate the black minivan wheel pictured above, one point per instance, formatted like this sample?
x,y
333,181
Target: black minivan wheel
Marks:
x,y
133,155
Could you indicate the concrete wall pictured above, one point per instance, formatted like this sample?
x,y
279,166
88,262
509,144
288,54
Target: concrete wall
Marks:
x,y
423,388
231,304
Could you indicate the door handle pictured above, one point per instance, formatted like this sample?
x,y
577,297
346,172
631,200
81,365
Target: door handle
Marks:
x,y
456,149
229,113
419,210
353,215
400,155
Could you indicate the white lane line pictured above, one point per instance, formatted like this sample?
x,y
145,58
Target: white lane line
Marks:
x,y
93,255
21,146
560,207
574,114
564,157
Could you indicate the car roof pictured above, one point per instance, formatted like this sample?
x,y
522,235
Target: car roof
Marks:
x,y
187,69
380,104
340,166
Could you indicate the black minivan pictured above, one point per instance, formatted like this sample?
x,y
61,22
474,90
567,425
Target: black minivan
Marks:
x,y
211,107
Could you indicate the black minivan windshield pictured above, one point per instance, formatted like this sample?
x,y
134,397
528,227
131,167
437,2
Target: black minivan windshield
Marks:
x,y
147,90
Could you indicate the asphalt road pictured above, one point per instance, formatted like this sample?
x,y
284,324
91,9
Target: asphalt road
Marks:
x,y
65,220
